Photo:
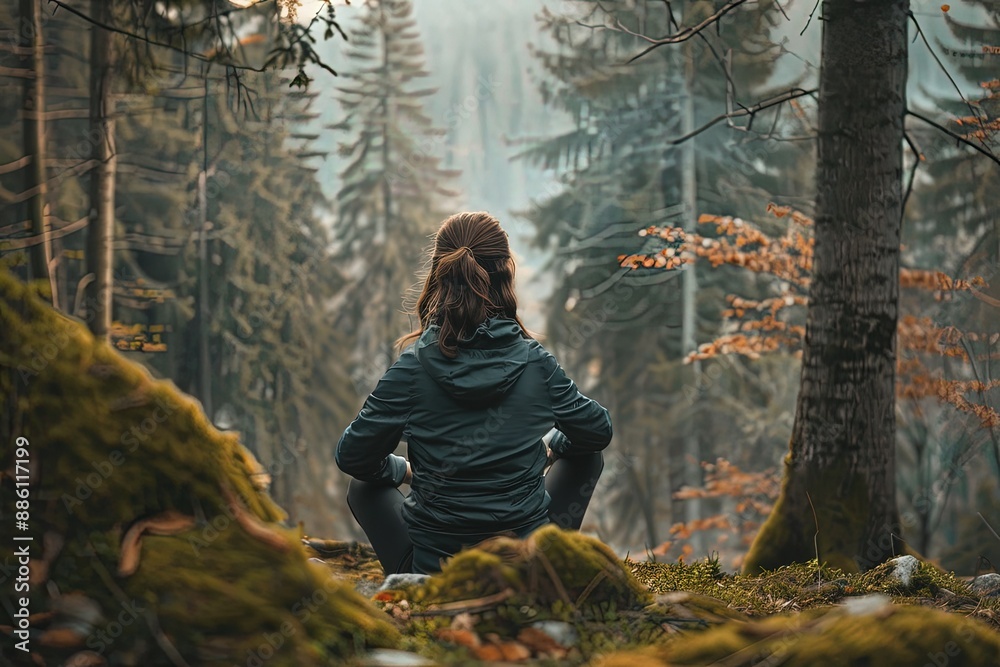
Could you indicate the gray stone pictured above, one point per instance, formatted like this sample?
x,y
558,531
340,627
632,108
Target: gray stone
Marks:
x,y
367,588
563,633
905,568
384,657
867,604
986,585
395,581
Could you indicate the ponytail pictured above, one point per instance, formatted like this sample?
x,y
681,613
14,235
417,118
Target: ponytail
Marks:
x,y
471,278
463,297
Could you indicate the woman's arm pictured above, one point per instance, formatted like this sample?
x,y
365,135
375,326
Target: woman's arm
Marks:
x,y
584,425
365,449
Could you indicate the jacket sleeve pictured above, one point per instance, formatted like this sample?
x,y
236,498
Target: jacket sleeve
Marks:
x,y
365,449
584,425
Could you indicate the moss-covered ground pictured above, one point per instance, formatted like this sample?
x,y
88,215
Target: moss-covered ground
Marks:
x,y
487,603
152,546
150,543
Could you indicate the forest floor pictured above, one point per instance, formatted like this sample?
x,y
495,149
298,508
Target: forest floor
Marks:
x,y
901,613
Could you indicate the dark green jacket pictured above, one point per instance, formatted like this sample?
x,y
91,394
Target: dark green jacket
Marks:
x,y
473,427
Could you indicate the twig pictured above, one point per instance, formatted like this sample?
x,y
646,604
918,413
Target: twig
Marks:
x,y
819,571
556,581
748,111
461,606
988,525
944,69
954,135
151,620
686,33
913,172
809,20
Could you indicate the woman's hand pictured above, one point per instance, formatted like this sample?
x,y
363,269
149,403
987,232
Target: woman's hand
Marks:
x,y
550,457
409,474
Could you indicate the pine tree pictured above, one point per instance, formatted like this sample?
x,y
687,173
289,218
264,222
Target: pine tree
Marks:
x,y
622,172
392,191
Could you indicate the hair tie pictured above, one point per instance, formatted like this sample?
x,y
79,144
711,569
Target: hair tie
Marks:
x,y
465,247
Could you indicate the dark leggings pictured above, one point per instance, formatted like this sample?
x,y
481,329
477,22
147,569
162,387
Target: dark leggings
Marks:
x,y
378,509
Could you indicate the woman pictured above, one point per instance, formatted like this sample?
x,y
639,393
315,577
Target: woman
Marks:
x,y
473,395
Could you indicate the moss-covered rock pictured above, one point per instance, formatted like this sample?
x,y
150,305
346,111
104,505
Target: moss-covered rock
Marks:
x,y
879,634
552,568
217,578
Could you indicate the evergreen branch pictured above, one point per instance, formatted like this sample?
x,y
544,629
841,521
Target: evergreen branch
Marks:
x,y
15,165
786,96
958,137
8,197
45,237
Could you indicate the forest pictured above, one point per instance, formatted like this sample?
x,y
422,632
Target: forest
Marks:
x,y
763,234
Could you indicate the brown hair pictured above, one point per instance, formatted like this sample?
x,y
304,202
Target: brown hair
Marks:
x,y
471,278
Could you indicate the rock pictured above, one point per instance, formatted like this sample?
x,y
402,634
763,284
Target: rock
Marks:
x,y
561,632
367,587
904,569
552,569
396,581
986,585
867,604
393,658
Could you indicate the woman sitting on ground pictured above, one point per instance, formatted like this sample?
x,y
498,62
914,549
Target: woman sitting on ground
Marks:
x,y
473,395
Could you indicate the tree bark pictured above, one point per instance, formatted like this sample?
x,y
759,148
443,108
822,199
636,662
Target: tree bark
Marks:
x,y
34,140
838,501
100,231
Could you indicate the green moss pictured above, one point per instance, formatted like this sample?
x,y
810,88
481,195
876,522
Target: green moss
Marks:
x,y
110,445
562,571
893,635
800,586
827,525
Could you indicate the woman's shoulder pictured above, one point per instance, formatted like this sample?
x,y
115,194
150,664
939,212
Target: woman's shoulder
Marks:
x,y
538,354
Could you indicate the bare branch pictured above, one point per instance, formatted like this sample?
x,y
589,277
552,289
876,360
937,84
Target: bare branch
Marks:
x,y
958,137
809,20
786,96
15,165
28,241
8,197
913,172
920,33
687,33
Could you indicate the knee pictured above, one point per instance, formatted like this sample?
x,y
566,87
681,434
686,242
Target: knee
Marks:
x,y
356,490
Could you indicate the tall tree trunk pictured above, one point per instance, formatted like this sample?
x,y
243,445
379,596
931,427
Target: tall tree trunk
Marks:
x,y
100,230
838,496
689,194
34,140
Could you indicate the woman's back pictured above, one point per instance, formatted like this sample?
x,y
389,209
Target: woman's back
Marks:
x,y
472,394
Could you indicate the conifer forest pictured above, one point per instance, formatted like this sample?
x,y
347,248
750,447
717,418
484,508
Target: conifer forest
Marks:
x,y
256,373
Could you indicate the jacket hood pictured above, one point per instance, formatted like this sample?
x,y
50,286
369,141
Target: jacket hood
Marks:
x,y
487,365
